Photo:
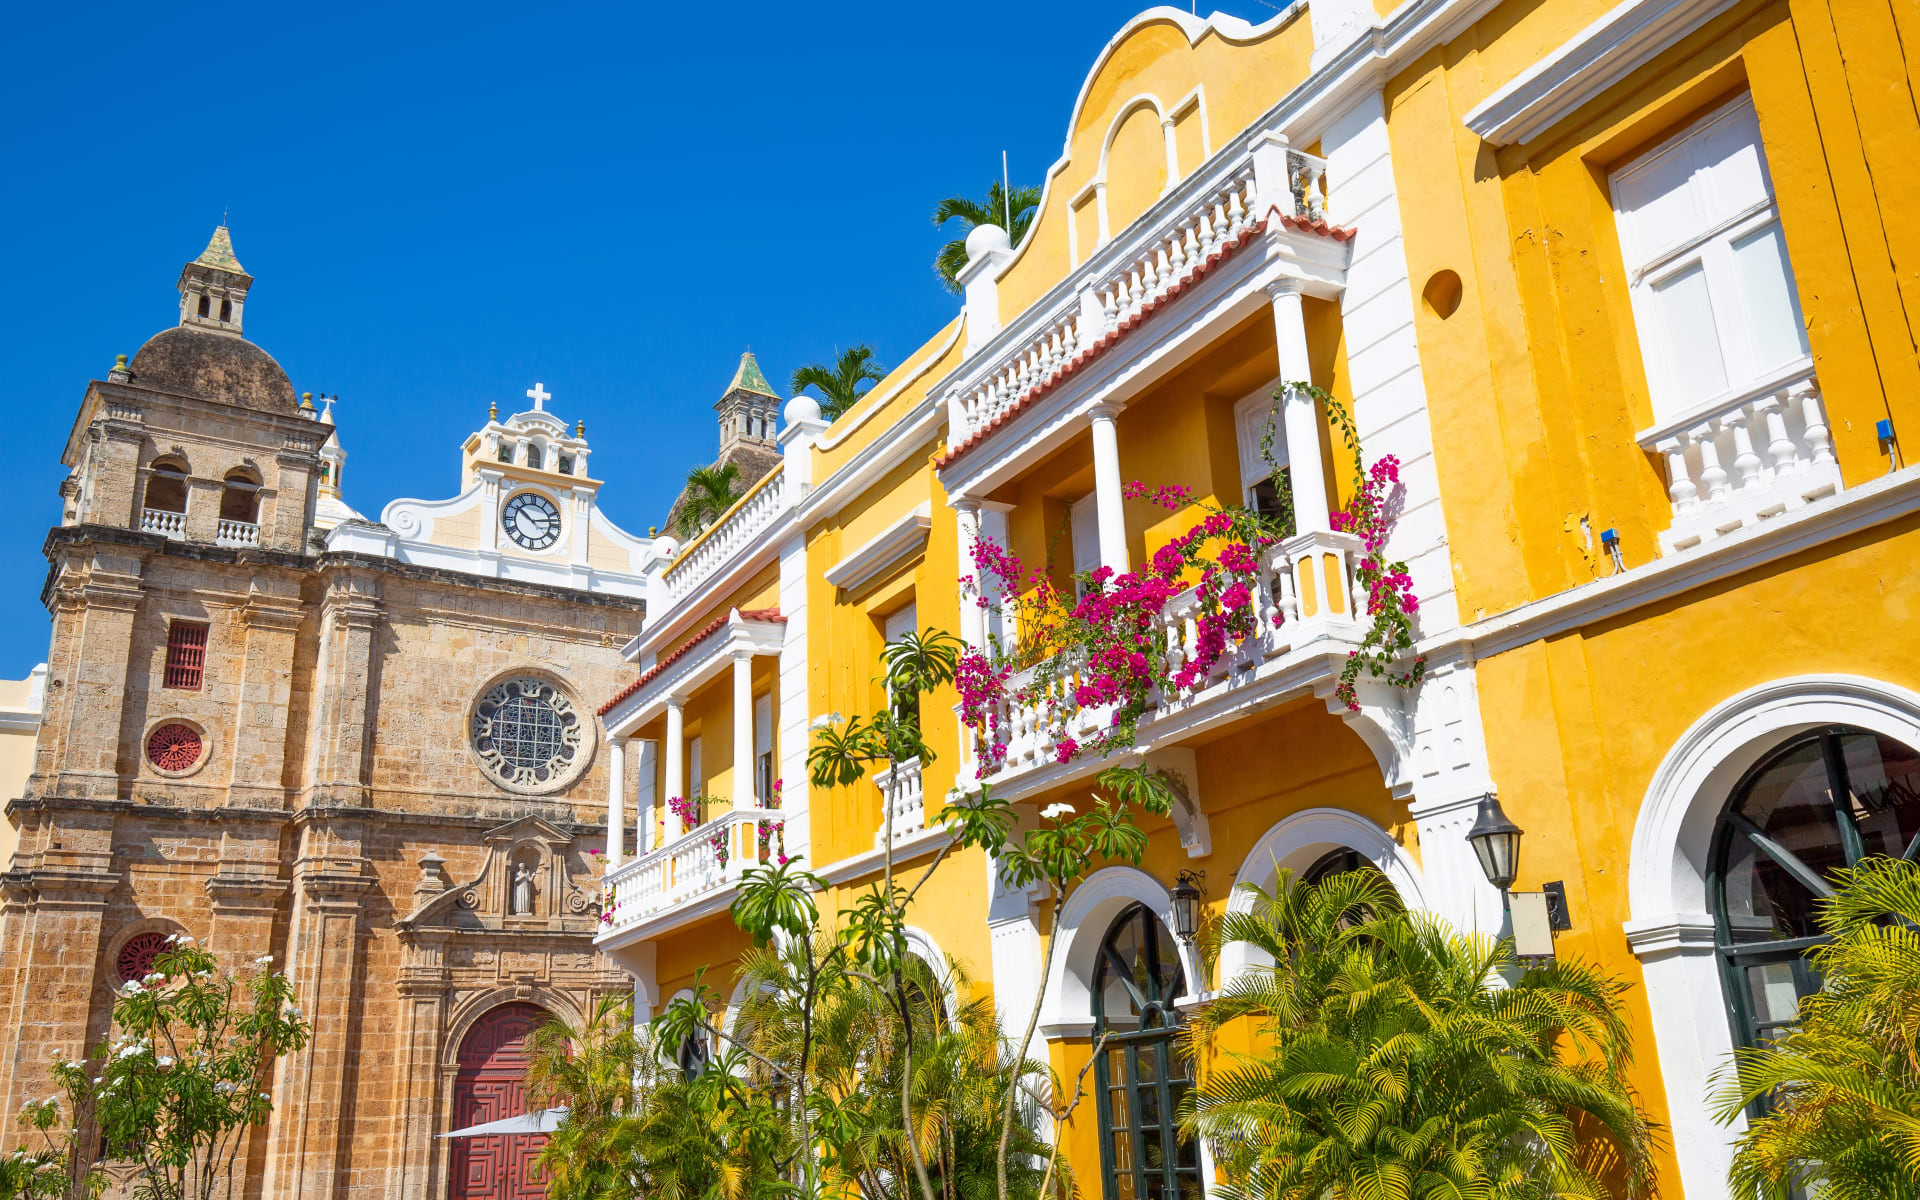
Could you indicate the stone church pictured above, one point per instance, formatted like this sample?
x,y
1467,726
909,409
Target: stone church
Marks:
x,y
366,749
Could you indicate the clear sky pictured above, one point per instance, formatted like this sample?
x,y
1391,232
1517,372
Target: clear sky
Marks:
x,y
442,204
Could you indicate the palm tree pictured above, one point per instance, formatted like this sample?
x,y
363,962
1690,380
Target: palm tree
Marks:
x,y
994,210
1392,1069
1841,1090
710,492
591,1072
840,385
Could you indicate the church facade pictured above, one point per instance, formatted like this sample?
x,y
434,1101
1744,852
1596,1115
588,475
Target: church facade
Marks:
x,y
364,749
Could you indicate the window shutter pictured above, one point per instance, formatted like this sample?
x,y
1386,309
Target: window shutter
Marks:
x,y
186,655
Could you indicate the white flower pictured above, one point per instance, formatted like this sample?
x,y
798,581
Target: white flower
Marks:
x,y
132,988
293,1010
1054,812
163,1062
265,960
153,977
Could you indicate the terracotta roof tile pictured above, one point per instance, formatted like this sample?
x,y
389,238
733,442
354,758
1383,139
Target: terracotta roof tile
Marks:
x,y
712,627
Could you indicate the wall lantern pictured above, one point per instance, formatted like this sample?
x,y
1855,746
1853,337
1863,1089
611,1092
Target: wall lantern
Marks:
x,y
1185,899
1496,842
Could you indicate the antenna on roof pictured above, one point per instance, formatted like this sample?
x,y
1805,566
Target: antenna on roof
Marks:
x,y
1006,192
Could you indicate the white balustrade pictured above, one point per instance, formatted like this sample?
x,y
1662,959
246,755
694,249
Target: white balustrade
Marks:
x,y
747,519
901,792
1124,279
1738,463
169,524
713,857
1036,728
237,533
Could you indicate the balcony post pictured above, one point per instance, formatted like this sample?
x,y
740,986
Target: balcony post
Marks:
x,y
972,616
616,801
1300,415
743,795
1106,490
676,782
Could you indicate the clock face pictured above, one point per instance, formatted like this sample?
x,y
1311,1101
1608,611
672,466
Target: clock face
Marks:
x,y
531,520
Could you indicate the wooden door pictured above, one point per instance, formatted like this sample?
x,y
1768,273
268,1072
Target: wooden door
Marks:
x,y
491,1086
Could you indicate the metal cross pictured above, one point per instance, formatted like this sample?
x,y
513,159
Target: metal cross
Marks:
x,y
539,396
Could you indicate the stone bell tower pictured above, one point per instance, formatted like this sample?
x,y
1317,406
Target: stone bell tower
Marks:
x,y
213,287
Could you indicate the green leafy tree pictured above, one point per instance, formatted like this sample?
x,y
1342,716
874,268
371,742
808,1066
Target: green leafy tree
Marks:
x,y
994,210
710,492
590,1071
841,385
183,1081
1837,1098
1392,1065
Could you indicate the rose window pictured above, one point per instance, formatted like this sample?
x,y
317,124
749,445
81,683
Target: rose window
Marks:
x,y
135,960
528,734
174,747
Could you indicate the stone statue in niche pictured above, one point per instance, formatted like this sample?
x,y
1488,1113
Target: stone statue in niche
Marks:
x,y
522,902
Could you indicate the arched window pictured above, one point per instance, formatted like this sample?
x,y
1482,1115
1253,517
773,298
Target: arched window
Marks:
x,y
1141,1075
533,455
240,498
167,486
1337,862
206,305
226,310
1821,802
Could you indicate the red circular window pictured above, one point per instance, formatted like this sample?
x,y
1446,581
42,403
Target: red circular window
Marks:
x,y
174,747
135,960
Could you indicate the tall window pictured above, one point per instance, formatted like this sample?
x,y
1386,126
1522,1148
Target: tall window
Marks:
x,y
167,487
1086,539
186,655
533,455
903,703
1265,485
240,498
1141,1076
1713,293
1821,802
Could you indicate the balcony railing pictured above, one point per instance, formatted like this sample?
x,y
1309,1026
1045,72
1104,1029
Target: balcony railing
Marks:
x,y
1745,460
168,524
1035,728
1207,215
739,525
901,792
237,533
706,861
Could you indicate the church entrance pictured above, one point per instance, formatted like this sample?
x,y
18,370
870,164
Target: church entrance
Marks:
x,y
492,1085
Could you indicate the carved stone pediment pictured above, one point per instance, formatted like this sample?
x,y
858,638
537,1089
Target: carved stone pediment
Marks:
x,y
527,883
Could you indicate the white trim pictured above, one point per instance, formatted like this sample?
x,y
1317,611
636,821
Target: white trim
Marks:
x,y
867,862
874,406
699,666
1593,60
1085,918
1666,882
902,539
1295,844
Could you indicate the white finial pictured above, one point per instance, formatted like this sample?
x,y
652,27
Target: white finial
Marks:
x,y
539,395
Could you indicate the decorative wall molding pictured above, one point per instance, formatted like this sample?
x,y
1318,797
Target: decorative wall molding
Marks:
x,y
900,540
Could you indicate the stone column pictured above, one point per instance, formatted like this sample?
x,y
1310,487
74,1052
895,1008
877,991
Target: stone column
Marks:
x,y
306,1141
271,618
423,998
743,795
203,508
1299,414
616,801
341,730
676,780
97,610
1106,490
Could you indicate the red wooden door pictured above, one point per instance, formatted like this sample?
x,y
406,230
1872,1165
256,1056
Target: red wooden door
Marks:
x,y
491,1086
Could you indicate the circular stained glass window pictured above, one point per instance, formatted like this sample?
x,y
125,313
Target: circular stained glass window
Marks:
x,y
137,954
529,735
174,747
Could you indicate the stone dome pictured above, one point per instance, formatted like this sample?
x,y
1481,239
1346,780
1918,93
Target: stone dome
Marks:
x,y
214,366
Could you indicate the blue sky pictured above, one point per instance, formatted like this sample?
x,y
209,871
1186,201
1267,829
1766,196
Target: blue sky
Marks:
x,y
440,206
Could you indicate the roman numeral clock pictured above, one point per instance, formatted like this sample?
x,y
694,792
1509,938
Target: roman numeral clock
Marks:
x,y
531,520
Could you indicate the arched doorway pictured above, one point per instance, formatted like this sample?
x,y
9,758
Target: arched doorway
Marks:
x,y
1141,1075
1818,803
491,1085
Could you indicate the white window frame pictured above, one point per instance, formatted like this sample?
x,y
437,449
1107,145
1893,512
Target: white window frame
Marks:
x,y
1710,247
1250,415
1083,530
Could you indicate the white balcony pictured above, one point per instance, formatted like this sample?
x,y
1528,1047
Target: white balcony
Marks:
x,y
171,525
1296,649
902,794
1743,459
237,533
737,529
691,876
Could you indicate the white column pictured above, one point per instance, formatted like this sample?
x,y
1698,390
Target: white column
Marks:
x,y
1299,414
616,801
743,729
676,781
1106,490
1173,154
972,623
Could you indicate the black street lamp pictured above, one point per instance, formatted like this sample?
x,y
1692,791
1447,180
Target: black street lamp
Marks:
x,y
1496,843
1186,906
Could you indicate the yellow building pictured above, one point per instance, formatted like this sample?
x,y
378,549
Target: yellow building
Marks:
x,y
21,702
1626,291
